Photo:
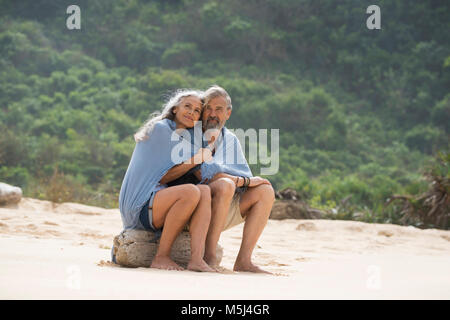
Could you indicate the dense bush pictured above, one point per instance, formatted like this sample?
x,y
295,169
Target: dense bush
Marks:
x,y
359,111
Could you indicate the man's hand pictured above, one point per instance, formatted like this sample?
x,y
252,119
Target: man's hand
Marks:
x,y
256,181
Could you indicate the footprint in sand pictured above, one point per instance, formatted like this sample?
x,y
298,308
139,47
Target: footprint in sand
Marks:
x,y
385,233
274,263
302,259
308,226
263,255
224,270
280,274
93,235
49,223
355,228
104,263
52,232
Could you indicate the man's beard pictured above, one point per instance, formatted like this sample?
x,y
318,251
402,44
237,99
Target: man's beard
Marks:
x,y
210,125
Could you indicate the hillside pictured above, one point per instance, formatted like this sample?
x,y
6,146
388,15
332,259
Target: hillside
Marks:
x,y
361,112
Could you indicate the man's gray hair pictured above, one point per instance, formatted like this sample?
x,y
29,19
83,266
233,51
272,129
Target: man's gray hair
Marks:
x,y
214,92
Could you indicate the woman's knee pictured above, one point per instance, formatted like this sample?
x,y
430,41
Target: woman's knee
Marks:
x,y
190,193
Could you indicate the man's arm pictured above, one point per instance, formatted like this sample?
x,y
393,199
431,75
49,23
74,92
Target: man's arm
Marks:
x,y
239,181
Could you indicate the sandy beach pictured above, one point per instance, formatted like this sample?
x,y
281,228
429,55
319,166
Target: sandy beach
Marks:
x,y
63,252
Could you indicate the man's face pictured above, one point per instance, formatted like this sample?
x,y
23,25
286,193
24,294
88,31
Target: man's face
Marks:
x,y
215,113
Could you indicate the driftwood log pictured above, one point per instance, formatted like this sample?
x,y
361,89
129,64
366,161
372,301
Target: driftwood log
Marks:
x,y
136,248
9,194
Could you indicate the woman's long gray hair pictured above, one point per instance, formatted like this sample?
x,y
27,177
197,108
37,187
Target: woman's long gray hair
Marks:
x,y
166,113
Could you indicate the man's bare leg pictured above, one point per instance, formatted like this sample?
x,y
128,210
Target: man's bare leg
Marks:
x,y
172,208
198,229
256,204
222,192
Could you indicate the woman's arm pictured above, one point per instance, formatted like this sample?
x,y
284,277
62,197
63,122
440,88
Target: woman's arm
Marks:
x,y
177,171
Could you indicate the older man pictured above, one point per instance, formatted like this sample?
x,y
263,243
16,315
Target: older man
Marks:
x,y
237,196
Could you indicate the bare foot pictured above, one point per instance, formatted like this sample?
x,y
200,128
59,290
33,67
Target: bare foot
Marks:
x,y
249,267
211,261
200,265
165,263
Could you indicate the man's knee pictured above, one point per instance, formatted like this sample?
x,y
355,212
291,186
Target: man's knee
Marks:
x,y
266,193
205,192
223,188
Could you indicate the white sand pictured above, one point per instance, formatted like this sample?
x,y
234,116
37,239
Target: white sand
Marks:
x,y
62,252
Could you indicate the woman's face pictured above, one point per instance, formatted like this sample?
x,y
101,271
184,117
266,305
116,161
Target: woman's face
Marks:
x,y
187,112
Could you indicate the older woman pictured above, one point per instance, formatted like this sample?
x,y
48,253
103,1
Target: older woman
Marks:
x,y
145,202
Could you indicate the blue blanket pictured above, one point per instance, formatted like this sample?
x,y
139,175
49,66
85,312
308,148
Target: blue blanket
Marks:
x,y
228,158
151,160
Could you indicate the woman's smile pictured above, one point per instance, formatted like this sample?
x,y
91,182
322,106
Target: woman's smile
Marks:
x,y
188,111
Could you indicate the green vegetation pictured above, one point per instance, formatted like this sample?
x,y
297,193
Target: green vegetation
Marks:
x,y
360,112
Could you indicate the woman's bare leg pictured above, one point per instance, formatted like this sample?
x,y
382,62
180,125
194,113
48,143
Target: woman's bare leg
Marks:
x,y
198,229
172,208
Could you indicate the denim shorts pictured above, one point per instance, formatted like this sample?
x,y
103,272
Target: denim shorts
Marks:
x,y
146,219
146,214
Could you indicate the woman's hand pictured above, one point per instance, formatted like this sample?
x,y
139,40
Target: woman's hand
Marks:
x,y
203,155
256,181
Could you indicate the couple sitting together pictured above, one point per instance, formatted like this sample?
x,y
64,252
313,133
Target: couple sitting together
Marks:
x,y
208,187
